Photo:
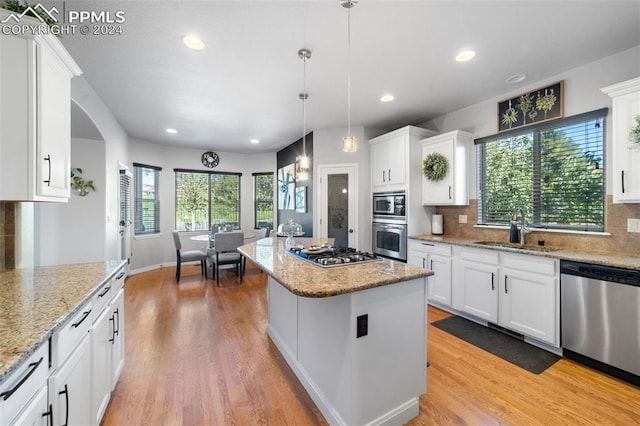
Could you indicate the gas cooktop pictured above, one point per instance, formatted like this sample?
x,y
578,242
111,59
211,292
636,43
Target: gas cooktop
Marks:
x,y
333,256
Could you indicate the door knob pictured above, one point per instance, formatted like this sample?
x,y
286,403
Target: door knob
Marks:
x,y
350,230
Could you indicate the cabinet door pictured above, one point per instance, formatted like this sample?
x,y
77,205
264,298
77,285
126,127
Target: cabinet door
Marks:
x,y
528,304
70,388
397,161
117,348
53,146
626,157
439,192
439,284
37,412
479,290
417,258
101,365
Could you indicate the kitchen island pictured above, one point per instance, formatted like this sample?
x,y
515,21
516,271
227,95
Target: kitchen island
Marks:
x,y
354,335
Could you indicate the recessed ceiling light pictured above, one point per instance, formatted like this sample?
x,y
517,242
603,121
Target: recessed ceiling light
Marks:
x,y
193,42
387,98
465,55
517,78
172,131
255,141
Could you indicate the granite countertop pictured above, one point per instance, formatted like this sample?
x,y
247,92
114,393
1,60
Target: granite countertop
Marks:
x,y
34,302
305,279
606,259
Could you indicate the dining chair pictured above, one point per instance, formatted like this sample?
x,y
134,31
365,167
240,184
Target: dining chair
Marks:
x,y
225,252
188,256
264,233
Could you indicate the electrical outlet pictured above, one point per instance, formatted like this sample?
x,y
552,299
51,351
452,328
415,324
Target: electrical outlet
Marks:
x,y
362,325
462,218
633,225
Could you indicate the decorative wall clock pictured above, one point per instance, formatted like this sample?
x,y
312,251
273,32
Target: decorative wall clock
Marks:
x,y
210,159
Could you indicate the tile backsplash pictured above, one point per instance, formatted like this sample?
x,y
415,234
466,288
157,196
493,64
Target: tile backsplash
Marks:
x,y
619,242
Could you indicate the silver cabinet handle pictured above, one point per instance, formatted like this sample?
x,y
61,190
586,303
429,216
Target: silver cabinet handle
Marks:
x,y
48,181
383,179
449,191
493,284
389,171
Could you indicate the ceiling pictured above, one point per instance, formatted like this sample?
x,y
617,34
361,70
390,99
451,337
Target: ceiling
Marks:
x,y
244,85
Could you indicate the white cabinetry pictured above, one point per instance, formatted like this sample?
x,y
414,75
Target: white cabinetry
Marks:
x,y
530,296
390,158
516,291
21,393
70,382
625,154
475,282
107,345
453,189
70,388
35,117
437,258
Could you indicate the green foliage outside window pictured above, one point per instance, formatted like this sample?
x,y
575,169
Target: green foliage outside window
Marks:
x,y
204,199
556,174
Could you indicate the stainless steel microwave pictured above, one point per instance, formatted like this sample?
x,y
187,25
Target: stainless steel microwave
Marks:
x,y
389,204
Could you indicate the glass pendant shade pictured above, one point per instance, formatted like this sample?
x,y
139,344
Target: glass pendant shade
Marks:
x,y
349,144
304,162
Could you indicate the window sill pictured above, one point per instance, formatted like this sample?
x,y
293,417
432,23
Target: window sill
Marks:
x,y
147,236
555,231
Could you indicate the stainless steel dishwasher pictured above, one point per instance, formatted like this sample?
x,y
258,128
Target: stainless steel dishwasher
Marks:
x,y
601,318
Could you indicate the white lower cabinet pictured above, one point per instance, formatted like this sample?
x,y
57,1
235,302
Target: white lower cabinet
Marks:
x,y
107,348
530,296
21,393
70,388
516,291
477,272
437,258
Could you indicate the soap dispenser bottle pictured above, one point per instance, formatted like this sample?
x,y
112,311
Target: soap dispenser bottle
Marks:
x,y
514,236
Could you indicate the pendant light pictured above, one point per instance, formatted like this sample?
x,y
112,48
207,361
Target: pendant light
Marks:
x,y
302,170
349,142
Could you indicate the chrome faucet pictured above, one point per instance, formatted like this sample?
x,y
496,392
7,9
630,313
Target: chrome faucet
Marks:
x,y
520,212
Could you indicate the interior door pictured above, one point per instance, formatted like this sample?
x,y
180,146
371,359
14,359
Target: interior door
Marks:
x,y
338,212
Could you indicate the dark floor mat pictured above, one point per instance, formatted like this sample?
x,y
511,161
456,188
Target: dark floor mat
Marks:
x,y
524,355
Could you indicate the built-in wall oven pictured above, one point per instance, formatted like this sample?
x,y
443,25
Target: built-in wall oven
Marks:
x,y
390,240
389,227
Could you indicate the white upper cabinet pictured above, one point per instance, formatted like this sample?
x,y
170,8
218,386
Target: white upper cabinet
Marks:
x,y
453,189
390,158
35,117
625,153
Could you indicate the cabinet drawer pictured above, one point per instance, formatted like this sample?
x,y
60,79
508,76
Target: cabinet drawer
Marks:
x,y
106,293
23,384
490,257
430,247
65,340
530,263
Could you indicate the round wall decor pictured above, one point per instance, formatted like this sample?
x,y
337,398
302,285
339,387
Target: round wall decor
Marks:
x,y
435,166
210,159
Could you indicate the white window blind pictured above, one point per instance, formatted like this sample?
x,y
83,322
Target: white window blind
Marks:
x,y
554,171
146,199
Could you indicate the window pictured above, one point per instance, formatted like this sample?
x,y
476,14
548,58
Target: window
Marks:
x,y
207,198
263,200
146,201
554,171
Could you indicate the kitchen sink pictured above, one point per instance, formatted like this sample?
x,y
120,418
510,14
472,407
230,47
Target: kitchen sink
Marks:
x,y
515,246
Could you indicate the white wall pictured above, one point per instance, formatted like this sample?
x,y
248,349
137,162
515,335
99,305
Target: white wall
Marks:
x,y
115,151
581,94
327,150
149,251
72,232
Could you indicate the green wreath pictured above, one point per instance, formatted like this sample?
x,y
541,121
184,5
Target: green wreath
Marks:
x,y
634,133
435,166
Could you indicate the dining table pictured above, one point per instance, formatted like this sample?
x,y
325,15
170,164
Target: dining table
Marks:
x,y
210,238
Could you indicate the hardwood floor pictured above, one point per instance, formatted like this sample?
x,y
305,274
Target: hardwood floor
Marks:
x,y
197,354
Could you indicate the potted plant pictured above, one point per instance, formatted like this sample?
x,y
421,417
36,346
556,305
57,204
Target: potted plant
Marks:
x,y
79,183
